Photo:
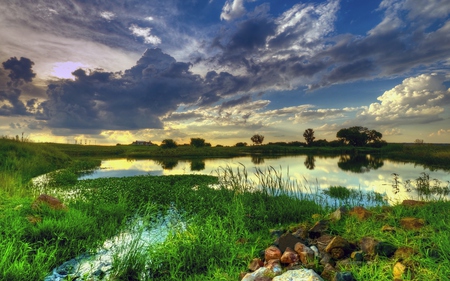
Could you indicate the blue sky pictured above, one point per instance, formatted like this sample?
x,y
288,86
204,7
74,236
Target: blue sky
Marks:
x,y
118,71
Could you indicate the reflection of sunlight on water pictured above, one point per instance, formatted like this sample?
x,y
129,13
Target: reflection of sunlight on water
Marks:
x,y
325,172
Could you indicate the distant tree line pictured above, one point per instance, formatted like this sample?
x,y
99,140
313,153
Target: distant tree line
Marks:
x,y
353,136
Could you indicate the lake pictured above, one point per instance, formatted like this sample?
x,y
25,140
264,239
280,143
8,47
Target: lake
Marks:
x,y
363,172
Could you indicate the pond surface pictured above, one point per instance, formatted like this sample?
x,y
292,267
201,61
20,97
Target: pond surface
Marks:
x,y
363,172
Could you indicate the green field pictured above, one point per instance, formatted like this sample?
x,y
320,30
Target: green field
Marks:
x,y
226,226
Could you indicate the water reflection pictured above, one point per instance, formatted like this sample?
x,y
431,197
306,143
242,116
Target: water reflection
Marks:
x,y
310,162
257,159
366,173
197,165
167,163
359,163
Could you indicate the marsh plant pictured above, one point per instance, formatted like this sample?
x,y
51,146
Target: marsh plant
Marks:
x,y
424,187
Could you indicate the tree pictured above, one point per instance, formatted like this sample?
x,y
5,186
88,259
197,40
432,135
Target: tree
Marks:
x,y
198,142
359,136
309,136
257,139
240,144
168,143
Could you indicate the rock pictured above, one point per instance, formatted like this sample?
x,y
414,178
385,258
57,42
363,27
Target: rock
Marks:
x,y
367,245
299,275
50,201
318,228
323,241
272,253
328,272
326,258
316,251
255,264
337,253
346,264
288,240
385,249
412,223
357,256
258,273
305,254
413,203
274,266
337,242
344,276
263,278
387,228
301,233
289,256
398,271
404,253
339,213
361,213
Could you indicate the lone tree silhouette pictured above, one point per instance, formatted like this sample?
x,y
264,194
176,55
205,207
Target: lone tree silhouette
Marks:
x,y
257,139
309,136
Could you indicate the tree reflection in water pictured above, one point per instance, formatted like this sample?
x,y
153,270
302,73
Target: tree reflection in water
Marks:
x,y
359,163
310,162
257,160
197,165
167,164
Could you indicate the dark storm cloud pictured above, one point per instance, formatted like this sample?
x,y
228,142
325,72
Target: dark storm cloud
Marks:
x,y
250,37
14,106
19,69
136,99
20,73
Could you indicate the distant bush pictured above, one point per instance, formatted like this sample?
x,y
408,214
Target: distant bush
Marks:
x,y
168,143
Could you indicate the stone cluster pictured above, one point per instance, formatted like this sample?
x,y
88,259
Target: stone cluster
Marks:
x,y
314,254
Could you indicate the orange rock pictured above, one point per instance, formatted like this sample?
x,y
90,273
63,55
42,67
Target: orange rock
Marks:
x,y
272,253
50,201
289,256
305,254
361,213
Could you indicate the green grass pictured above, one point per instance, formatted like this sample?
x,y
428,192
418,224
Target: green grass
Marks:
x,y
227,217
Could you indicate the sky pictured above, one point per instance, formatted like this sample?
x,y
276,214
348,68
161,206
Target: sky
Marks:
x,y
108,72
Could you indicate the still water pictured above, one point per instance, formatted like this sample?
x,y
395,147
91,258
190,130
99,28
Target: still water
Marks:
x,y
363,172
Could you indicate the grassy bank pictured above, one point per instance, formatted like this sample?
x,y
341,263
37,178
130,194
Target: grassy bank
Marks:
x,y
227,220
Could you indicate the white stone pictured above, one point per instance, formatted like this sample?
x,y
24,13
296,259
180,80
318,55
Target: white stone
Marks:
x,y
299,275
253,275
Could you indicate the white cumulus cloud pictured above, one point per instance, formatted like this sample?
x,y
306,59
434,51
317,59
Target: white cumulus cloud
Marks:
x,y
417,100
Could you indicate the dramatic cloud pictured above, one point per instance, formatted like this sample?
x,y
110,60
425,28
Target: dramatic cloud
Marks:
x,y
418,99
136,99
19,70
232,65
